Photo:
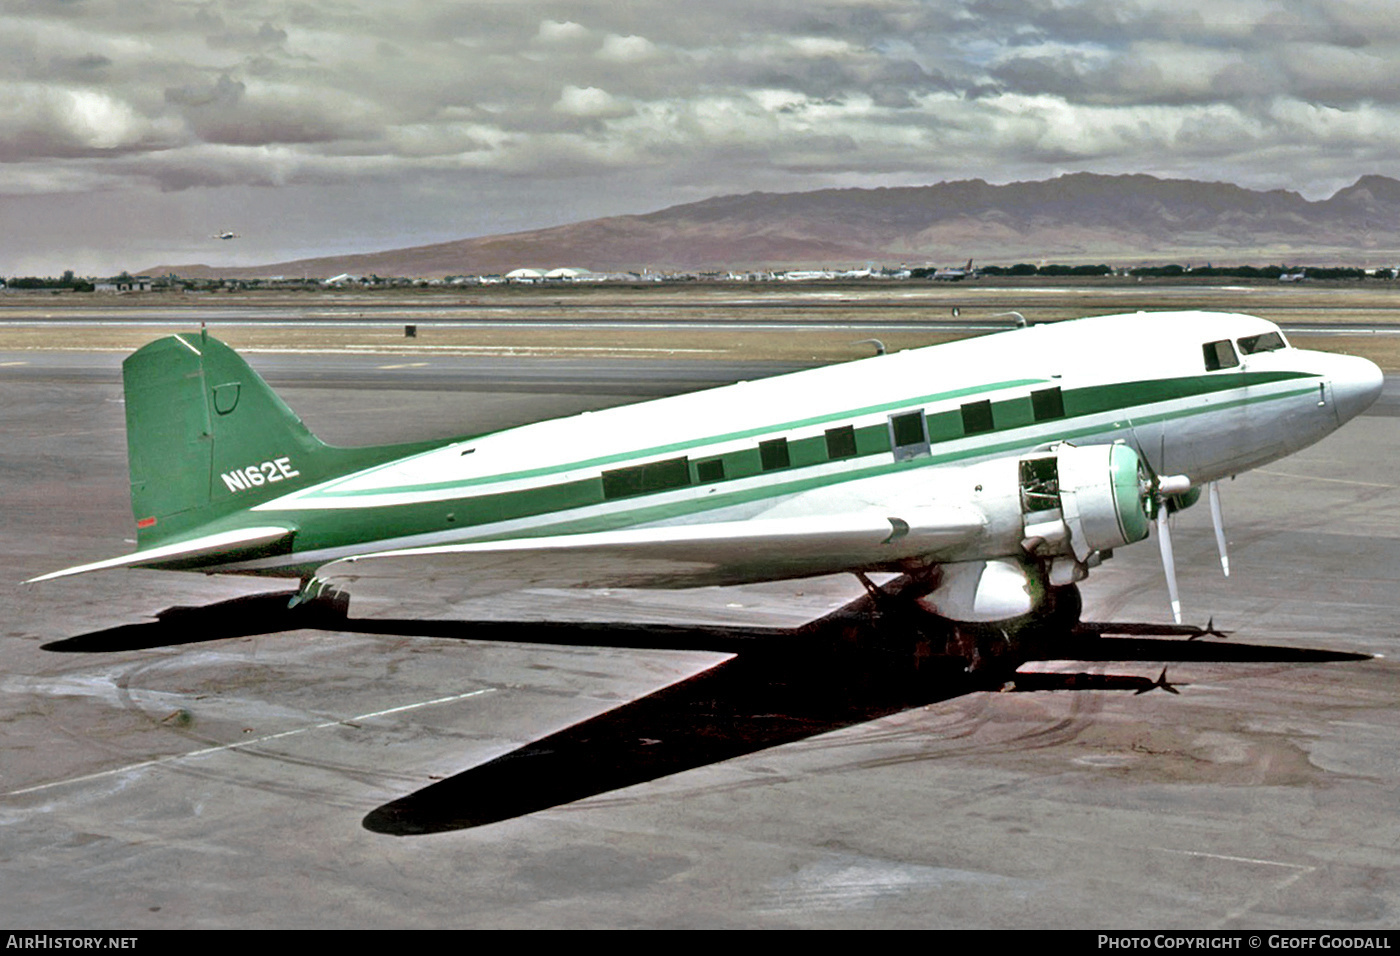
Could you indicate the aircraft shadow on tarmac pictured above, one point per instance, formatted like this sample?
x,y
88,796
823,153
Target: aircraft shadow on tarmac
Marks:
x,y
866,660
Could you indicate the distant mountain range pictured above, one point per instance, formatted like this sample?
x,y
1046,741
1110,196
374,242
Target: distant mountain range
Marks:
x,y
1073,219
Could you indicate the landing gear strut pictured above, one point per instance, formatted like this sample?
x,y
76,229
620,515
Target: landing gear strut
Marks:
x,y
1001,647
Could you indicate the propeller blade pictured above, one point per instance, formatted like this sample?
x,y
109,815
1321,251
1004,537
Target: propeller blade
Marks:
x,y
1158,488
1219,522
1164,541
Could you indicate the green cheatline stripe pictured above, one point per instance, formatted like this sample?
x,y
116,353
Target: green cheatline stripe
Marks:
x,y
709,503
1085,401
328,529
677,446
659,512
1103,398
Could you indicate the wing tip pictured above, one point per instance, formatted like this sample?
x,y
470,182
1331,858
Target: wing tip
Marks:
x,y
204,546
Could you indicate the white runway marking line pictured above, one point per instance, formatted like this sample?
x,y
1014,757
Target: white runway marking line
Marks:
x,y
343,722
1234,859
1300,870
1337,481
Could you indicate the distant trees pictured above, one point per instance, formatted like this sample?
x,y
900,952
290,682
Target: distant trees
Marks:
x,y
1176,270
67,281
1027,269
1256,272
1020,269
1054,270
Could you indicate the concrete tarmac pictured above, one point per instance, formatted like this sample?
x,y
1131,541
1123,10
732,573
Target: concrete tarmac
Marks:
x,y
208,771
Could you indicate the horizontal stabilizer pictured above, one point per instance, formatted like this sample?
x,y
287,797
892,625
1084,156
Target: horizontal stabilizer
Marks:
x,y
235,543
668,557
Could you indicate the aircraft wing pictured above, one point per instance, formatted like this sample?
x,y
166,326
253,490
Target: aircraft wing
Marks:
x,y
669,557
191,552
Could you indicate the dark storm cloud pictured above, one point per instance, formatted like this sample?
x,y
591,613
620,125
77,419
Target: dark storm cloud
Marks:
x,y
85,68
1145,52
264,37
225,91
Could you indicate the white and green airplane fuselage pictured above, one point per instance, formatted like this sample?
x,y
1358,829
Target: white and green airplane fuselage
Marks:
x,y
995,467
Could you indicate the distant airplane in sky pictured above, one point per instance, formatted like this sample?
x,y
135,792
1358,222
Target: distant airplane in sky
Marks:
x,y
225,235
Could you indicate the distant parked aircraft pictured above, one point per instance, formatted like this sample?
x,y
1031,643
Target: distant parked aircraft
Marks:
x,y
224,235
955,275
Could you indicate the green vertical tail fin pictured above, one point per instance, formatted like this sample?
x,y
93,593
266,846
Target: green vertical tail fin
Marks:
x,y
207,437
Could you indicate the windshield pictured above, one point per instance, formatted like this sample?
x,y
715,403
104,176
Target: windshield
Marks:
x,y
1268,342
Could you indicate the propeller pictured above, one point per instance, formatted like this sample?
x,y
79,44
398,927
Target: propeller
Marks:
x,y
1160,489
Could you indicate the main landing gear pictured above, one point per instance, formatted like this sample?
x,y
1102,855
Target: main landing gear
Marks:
x,y
986,650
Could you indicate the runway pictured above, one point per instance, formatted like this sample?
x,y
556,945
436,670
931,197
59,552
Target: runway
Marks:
x,y
198,780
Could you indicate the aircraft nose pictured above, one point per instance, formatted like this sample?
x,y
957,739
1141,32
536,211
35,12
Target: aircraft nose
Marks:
x,y
1356,384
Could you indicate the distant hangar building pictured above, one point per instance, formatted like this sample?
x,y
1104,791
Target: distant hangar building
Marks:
x,y
566,274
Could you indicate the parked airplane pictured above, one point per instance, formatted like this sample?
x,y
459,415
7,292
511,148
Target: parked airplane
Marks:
x,y
225,235
955,275
996,471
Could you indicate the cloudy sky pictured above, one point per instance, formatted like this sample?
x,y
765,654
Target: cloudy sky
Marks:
x,y
132,130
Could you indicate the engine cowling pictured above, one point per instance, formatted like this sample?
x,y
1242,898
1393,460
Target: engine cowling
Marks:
x,y
1081,500
1075,505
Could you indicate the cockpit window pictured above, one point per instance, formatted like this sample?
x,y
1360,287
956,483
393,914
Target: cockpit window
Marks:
x,y
1268,342
1220,355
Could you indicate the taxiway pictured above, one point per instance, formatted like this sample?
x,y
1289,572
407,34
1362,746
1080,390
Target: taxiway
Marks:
x,y
209,773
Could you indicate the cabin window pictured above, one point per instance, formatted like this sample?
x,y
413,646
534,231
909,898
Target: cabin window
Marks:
x,y
712,469
1047,403
977,418
1220,355
773,454
1268,342
909,435
643,479
841,442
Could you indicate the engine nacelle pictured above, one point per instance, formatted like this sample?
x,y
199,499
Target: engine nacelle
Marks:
x,y
985,591
1065,508
1081,500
